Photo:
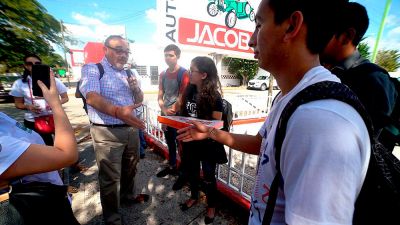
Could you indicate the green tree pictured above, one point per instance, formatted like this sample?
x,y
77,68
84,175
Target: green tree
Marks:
x,y
388,59
243,68
54,60
363,48
26,27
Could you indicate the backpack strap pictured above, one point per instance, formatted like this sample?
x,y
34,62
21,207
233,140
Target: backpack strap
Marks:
x,y
227,115
77,91
366,68
181,71
317,91
163,74
101,70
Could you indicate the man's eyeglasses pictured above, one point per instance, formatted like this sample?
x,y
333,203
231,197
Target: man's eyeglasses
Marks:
x,y
119,50
32,63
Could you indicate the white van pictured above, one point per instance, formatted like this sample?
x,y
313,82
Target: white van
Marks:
x,y
261,81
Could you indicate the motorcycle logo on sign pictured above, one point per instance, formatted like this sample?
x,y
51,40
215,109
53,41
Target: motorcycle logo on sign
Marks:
x,y
234,9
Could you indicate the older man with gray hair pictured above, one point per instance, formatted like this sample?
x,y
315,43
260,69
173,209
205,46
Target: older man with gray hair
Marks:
x,y
112,96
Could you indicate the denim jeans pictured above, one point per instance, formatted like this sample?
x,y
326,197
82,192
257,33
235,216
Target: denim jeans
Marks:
x,y
192,168
170,137
143,144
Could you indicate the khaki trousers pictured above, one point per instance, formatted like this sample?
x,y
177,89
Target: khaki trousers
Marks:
x,y
117,154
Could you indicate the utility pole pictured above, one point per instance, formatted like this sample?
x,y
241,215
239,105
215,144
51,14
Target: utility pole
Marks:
x,y
378,38
65,53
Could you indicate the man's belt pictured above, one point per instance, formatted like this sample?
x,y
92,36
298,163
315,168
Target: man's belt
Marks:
x,y
110,125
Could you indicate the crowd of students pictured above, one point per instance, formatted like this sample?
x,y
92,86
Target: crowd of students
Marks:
x,y
325,152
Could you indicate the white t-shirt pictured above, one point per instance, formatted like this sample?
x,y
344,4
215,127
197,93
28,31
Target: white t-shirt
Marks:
x,y
324,160
21,89
14,140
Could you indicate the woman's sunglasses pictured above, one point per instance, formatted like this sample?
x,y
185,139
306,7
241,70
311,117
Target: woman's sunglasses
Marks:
x,y
31,63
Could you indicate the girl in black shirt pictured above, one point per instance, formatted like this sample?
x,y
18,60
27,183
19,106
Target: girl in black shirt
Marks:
x,y
203,100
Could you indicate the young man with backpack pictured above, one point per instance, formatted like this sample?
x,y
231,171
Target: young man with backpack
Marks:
x,y
325,148
172,84
371,83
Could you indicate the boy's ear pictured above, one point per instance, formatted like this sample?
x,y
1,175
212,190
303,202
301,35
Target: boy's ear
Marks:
x,y
347,36
294,24
350,34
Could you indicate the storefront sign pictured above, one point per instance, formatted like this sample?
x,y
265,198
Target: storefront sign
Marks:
x,y
209,26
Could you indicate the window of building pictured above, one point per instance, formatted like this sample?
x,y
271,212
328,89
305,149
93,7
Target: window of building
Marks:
x,y
142,70
154,75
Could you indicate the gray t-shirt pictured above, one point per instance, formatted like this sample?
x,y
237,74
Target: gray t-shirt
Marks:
x,y
170,86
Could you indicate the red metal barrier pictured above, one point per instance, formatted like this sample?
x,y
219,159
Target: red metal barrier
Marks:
x,y
222,187
225,190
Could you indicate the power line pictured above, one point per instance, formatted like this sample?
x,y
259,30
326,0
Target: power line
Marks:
x,y
129,16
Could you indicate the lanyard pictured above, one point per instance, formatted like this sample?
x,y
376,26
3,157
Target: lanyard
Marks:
x,y
30,90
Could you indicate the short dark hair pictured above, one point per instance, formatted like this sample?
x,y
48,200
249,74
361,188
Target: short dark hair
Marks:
x,y
174,48
354,16
319,17
112,37
26,72
31,55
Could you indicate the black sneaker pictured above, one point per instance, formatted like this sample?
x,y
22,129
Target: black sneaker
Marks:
x,y
180,182
164,172
142,156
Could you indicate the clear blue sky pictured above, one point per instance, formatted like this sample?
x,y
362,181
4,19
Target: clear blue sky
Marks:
x,y
391,34
131,13
138,17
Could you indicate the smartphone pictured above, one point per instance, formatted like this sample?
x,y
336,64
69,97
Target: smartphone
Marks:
x,y
40,72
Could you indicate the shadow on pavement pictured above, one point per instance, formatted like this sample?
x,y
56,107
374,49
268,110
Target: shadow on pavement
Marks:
x,y
163,206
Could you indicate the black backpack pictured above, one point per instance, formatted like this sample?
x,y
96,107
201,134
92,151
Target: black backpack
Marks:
x,y
227,115
392,130
181,71
379,198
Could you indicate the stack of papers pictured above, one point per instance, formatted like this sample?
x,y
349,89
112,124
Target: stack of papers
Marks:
x,y
179,122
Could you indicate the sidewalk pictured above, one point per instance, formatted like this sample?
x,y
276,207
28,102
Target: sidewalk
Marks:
x,y
163,207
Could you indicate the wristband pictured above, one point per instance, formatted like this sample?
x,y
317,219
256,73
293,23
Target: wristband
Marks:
x,y
116,108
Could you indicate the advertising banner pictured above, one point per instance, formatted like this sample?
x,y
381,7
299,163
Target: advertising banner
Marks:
x,y
209,26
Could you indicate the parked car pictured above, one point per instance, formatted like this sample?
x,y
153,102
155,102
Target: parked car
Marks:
x,y
6,82
261,83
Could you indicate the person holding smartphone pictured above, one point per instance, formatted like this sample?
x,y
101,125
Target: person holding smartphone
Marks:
x,y
23,98
24,158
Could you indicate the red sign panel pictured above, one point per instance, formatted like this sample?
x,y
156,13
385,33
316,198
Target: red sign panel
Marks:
x,y
200,33
94,52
